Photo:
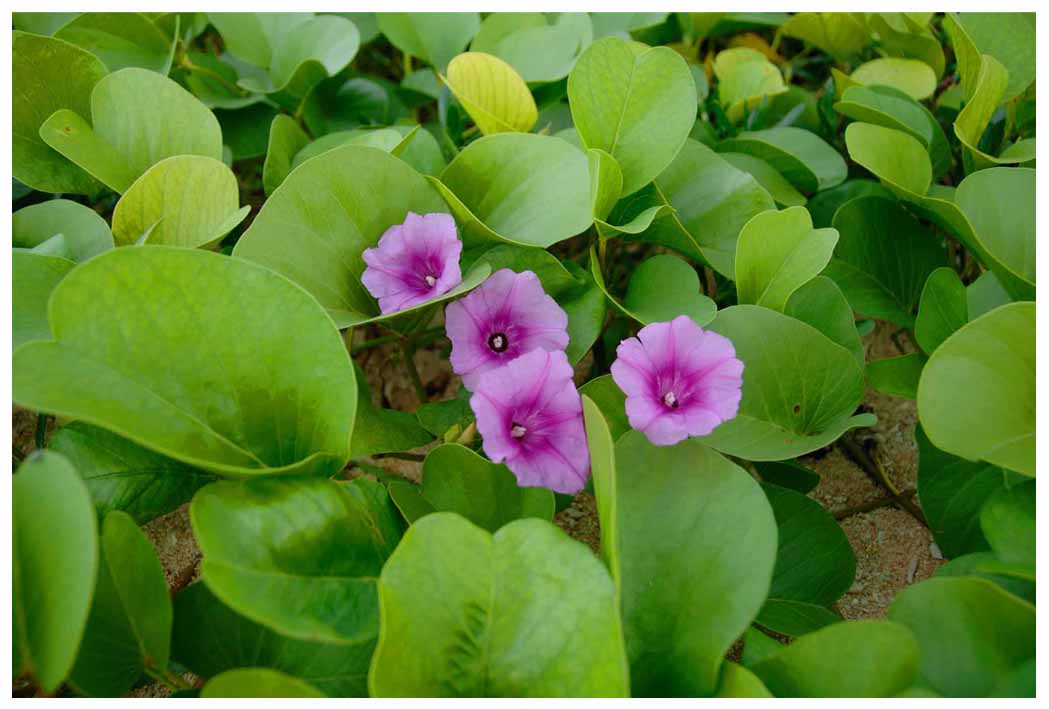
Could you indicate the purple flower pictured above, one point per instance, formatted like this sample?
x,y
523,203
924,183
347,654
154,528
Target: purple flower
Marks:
x,y
531,418
505,317
413,262
679,380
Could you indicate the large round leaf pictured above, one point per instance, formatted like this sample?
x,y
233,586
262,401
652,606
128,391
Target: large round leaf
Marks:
x,y
48,75
187,200
83,232
800,389
129,628
54,563
799,155
976,394
144,348
129,133
532,190
777,253
712,200
663,517
1009,37
634,102
316,225
298,555
883,258
971,633
858,659
1000,204
526,612
210,638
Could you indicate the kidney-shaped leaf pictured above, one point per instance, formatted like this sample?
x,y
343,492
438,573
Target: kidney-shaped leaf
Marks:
x,y
971,633
315,226
129,628
976,394
253,381
634,102
664,509
800,389
531,190
48,75
298,555
526,612
54,563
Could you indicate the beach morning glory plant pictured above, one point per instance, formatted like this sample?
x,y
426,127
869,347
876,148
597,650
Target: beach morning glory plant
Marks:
x,y
679,379
415,261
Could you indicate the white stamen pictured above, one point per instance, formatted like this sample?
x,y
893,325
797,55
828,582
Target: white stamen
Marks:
x,y
518,431
430,281
670,400
498,342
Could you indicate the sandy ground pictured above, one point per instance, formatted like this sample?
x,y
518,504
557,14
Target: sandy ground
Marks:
x,y
893,548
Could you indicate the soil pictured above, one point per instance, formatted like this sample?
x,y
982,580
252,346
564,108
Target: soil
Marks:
x,y
894,549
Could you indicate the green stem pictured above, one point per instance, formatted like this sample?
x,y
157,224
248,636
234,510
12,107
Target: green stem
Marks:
x,y
409,362
407,64
188,65
41,430
376,342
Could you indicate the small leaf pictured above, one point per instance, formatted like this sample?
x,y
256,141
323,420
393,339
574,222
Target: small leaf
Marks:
x,y
257,682
799,155
840,34
781,190
821,303
1008,522
942,310
86,233
897,376
912,77
660,289
434,37
494,95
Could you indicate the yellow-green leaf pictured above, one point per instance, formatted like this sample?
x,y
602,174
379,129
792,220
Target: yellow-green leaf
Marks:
x,y
494,95
912,77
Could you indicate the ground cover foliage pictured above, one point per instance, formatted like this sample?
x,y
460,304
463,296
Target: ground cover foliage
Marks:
x,y
649,243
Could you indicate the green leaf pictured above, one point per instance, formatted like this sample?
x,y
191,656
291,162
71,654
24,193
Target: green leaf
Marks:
x,y
778,252
870,658
121,40
439,416
45,23
840,34
121,475
897,376
985,294
821,303
668,521
610,401
34,277
781,190
298,555
526,612
798,395
789,474
327,210
976,395
455,479
129,628
891,155
380,430
257,682
239,399
883,258
286,139
1017,580
540,51
823,205
901,34
712,200
745,79
210,638
799,155
634,102
48,75
660,289
244,130
952,491
738,681
434,37
1000,204
1009,37
606,182
186,201
912,77
54,564
1008,521
971,633
942,310
795,618
814,563
84,232
131,134
525,189
408,500
494,95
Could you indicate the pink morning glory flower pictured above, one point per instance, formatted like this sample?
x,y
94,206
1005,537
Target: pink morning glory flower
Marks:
x,y
413,262
679,380
505,317
530,416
